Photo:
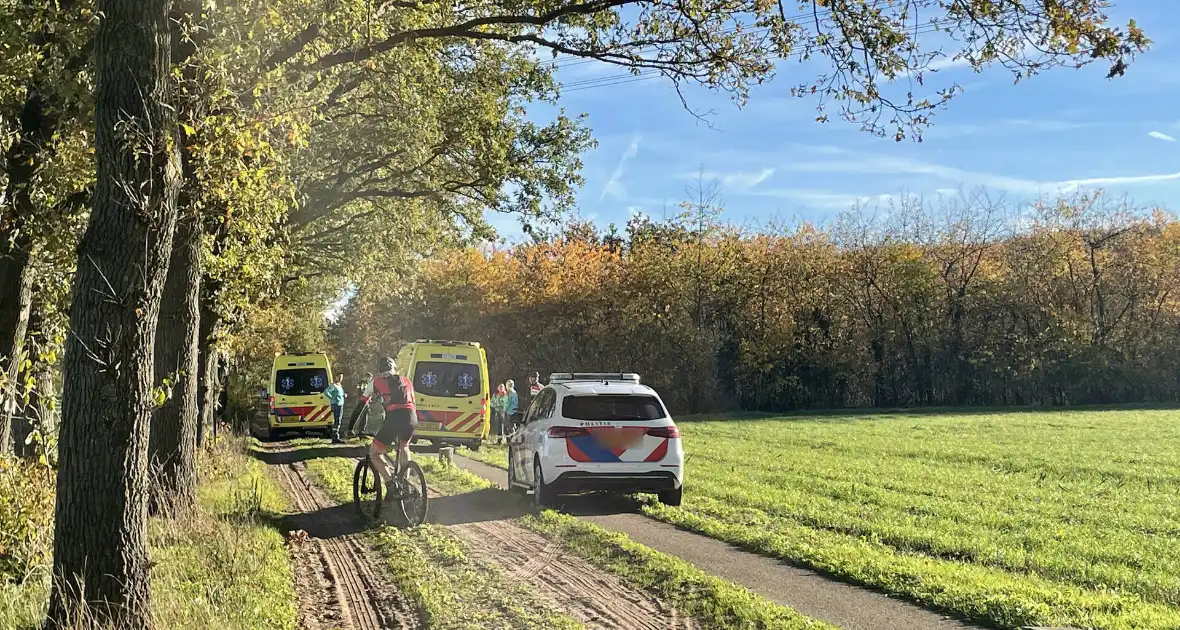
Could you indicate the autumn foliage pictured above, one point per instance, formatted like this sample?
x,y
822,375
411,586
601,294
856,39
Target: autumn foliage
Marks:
x,y
970,304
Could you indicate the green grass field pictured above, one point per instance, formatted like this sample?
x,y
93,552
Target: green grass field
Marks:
x,y
1056,518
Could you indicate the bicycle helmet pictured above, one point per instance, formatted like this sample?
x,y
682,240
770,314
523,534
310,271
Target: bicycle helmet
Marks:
x,y
385,364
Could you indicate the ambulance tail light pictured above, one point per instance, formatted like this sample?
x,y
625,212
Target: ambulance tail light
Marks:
x,y
664,432
567,432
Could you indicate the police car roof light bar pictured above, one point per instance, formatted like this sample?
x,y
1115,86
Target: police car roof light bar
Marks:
x,y
566,377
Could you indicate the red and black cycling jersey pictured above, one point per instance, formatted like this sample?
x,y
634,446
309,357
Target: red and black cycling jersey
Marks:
x,y
396,392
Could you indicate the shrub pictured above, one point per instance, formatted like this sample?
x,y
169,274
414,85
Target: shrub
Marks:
x,y
26,517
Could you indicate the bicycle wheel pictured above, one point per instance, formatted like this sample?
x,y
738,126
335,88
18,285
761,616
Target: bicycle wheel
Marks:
x,y
413,502
366,489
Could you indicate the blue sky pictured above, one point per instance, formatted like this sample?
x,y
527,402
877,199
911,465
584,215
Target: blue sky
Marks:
x,y
1062,129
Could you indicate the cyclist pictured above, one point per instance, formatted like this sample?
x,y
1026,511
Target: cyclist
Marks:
x,y
401,418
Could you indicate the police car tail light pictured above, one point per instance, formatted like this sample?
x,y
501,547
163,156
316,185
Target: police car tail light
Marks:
x,y
664,432
567,432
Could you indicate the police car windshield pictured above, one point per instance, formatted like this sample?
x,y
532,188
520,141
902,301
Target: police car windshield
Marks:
x,y
447,380
301,382
612,407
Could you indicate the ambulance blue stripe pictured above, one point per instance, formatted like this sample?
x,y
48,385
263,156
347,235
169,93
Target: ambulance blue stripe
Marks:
x,y
595,451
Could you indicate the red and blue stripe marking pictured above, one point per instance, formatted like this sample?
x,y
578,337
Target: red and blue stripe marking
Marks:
x,y
592,449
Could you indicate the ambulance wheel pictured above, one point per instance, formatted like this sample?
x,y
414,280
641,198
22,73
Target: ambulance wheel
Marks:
x,y
475,445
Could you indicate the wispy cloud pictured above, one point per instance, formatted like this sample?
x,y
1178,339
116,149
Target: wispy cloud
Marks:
x,y
887,165
614,186
1159,135
739,182
818,199
1004,126
1127,180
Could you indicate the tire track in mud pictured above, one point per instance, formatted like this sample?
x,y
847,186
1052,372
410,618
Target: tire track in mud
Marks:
x,y
356,597
595,597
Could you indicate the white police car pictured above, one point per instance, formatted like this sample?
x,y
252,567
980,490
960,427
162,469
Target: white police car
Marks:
x,y
596,431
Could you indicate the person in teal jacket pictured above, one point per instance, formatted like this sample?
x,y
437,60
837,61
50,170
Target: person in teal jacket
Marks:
x,y
335,394
513,406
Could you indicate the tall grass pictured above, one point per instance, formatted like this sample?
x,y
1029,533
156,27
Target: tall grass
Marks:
x,y
222,566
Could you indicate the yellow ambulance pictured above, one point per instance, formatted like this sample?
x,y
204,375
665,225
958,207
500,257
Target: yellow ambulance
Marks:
x,y
451,390
297,401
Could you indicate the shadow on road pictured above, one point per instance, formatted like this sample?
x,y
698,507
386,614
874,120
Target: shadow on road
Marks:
x,y
477,507
494,504
279,455
598,504
327,523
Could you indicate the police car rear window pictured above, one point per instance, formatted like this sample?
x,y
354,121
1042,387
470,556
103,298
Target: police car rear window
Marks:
x,y
447,380
612,407
301,381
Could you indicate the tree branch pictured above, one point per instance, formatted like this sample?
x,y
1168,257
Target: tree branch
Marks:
x,y
467,29
291,48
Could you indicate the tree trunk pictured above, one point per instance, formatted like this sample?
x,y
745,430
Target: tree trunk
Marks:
x,y
35,412
172,447
100,558
40,410
206,362
16,297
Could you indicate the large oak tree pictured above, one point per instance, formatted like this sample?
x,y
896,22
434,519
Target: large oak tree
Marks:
x,y
100,557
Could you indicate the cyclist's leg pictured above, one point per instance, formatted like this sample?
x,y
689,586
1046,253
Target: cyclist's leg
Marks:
x,y
378,455
386,443
407,421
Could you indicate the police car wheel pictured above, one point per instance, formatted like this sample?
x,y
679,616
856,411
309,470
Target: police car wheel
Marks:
x,y
672,497
541,496
513,486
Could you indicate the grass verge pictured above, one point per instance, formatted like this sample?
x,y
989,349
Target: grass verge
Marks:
x,y
1014,519
432,566
223,567
227,566
710,601
490,454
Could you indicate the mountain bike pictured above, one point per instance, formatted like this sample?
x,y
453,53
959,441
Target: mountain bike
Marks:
x,y
409,492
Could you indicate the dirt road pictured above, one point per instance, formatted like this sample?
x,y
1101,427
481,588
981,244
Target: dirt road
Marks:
x,y
338,585
810,593
341,587
592,596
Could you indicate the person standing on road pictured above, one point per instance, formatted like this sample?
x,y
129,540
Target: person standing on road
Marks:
x,y
335,394
529,394
500,411
360,391
513,405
